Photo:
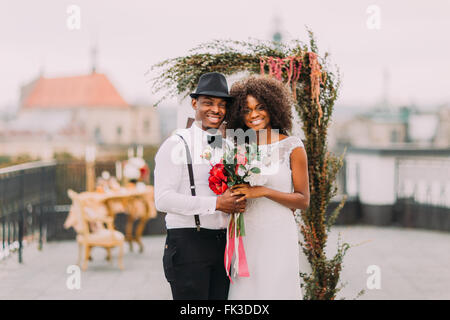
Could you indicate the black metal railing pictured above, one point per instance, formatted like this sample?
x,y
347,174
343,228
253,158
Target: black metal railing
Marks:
x,y
72,175
424,181
34,203
27,193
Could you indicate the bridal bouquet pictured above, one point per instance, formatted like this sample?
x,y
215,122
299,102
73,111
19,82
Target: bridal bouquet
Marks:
x,y
238,165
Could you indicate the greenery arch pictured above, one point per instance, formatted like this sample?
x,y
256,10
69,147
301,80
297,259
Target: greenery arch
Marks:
x,y
315,89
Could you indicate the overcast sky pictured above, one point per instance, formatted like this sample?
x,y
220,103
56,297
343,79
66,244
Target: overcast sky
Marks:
x,y
411,44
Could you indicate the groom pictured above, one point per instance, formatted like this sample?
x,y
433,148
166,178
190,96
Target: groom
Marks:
x,y
196,218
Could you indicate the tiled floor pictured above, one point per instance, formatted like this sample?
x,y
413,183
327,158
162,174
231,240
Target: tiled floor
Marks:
x,y
412,264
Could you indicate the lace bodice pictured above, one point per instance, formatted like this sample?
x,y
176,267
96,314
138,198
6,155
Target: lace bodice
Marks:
x,y
276,168
280,151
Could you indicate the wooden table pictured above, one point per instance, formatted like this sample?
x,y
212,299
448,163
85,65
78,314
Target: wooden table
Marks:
x,y
129,199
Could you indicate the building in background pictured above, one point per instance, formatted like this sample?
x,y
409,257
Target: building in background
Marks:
x,y
168,113
392,127
396,165
442,137
67,114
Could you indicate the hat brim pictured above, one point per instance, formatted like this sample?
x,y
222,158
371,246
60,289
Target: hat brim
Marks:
x,y
216,94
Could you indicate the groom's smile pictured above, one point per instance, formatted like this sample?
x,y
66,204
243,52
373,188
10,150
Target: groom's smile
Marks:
x,y
214,118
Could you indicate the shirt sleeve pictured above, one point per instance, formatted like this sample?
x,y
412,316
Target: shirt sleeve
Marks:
x,y
170,161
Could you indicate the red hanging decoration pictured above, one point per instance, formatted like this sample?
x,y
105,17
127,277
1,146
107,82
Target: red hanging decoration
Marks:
x,y
292,65
316,79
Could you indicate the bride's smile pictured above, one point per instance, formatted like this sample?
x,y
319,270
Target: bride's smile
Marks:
x,y
255,114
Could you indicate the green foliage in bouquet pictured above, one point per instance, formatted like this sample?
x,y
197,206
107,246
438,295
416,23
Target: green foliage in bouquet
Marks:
x,y
239,163
315,89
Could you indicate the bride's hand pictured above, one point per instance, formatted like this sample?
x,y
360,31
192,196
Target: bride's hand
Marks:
x,y
247,191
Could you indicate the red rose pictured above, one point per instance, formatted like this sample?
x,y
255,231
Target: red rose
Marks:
x,y
217,179
218,188
218,171
214,180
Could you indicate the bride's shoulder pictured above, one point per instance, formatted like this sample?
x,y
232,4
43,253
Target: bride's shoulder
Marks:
x,y
292,142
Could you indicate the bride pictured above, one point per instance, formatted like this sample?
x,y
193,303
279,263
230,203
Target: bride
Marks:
x,y
271,239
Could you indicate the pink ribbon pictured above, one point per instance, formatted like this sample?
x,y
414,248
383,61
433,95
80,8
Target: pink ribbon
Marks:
x,y
229,250
241,259
243,267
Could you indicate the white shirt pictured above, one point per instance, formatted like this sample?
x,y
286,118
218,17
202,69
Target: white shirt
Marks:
x,y
172,186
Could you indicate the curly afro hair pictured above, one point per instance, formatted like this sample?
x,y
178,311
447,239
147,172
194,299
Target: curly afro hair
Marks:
x,y
273,94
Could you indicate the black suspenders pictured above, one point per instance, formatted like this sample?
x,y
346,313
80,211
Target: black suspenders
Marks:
x,y
191,178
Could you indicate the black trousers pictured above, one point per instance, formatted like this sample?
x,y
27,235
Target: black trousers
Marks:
x,y
194,264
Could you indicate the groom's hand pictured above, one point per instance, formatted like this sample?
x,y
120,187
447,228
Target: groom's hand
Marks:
x,y
228,203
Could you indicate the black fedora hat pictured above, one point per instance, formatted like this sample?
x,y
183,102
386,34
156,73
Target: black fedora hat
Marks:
x,y
212,84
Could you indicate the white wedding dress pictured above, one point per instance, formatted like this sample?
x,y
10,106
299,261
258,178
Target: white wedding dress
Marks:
x,y
271,235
